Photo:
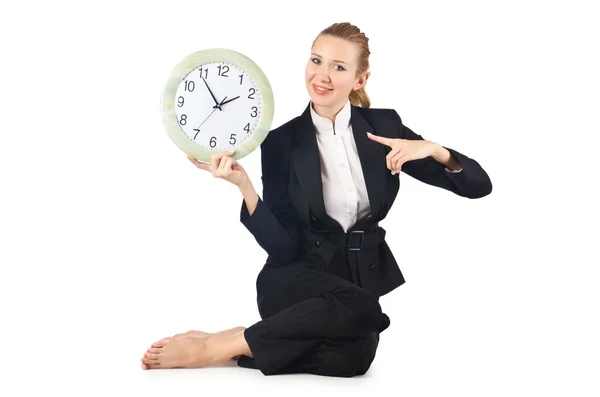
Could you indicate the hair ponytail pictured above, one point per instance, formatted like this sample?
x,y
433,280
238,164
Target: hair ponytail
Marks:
x,y
360,98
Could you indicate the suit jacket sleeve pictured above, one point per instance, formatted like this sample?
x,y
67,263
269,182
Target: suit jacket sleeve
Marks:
x,y
472,182
273,223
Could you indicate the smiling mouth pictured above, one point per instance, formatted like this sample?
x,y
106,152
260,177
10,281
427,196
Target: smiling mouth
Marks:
x,y
321,90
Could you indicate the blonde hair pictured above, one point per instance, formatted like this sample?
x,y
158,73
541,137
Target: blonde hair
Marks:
x,y
347,31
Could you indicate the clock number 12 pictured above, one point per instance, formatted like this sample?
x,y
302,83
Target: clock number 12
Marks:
x,y
224,71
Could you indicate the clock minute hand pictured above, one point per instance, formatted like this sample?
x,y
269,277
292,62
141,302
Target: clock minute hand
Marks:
x,y
211,94
211,113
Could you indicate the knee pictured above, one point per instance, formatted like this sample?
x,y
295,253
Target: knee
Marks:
x,y
366,350
364,307
266,297
356,360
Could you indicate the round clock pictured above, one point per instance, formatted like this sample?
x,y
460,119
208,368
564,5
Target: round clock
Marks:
x,y
217,100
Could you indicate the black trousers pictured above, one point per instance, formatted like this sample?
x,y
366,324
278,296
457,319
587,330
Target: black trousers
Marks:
x,y
313,322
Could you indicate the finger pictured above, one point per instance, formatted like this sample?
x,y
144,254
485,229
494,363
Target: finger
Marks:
x,y
197,163
230,166
215,160
381,139
215,163
399,160
390,156
225,167
394,160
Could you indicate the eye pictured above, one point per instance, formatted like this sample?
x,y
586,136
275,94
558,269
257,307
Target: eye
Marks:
x,y
313,60
341,67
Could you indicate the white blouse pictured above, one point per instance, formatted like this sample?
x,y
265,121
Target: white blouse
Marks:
x,y
344,189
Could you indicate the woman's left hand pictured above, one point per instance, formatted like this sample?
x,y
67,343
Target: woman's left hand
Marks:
x,y
404,150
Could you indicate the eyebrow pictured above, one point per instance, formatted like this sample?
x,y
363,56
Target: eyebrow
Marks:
x,y
335,60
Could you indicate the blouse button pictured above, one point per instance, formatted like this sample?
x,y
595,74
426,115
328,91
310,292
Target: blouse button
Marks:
x,y
372,267
317,243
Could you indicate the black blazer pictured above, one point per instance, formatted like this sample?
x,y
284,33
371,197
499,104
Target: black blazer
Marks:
x,y
290,222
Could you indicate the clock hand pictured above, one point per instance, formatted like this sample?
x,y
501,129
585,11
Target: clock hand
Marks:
x,y
211,94
214,108
223,103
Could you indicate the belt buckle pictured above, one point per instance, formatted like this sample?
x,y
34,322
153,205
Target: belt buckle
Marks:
x,y
349,242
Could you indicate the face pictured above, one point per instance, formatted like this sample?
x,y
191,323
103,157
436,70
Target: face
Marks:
x,y
331,72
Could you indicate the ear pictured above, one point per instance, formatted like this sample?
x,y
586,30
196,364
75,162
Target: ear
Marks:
x,y
362,81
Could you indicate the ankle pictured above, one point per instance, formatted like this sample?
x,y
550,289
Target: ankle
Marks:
x,y
222,347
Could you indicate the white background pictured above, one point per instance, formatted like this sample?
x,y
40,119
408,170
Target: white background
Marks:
x,y
111,239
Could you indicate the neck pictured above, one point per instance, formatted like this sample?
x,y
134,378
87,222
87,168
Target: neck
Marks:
x,y
328,112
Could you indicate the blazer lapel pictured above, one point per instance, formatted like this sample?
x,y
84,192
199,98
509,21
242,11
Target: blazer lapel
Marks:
x,y
372,159
306,160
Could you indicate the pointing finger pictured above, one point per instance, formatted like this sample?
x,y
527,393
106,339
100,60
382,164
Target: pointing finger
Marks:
x,y
381,139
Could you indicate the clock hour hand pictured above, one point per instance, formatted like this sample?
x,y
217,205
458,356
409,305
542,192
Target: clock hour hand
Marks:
x,y
224,102
217,105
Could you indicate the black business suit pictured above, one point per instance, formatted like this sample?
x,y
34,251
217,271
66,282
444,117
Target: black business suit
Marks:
x,y
318,291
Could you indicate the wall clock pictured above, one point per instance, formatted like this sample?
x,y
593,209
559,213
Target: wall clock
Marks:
x,y
217,100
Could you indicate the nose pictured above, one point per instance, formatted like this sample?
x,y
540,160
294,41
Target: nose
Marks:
x,y
324,79
323,74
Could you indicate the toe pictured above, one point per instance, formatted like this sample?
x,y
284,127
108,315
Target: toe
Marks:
x,y
154,366
155,350
162,342
152,356
148,361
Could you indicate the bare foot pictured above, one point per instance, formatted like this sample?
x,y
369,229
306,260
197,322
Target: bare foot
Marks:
x,y
227,331
157,347
178,352
187,351
202,333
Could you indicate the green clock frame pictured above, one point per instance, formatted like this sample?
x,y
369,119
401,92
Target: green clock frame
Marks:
x,y
191,62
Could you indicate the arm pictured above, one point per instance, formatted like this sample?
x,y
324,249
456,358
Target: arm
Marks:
x,y
271,219
466,177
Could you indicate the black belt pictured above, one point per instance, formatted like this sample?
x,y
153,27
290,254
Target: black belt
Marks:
x,y
355,240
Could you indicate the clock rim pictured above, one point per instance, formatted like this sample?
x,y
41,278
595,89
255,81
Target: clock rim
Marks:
x,y
191,62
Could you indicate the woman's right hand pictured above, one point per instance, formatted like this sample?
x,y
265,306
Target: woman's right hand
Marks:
x,y
224,167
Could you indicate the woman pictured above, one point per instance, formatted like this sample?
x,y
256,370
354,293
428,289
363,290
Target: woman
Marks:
x,y
326,185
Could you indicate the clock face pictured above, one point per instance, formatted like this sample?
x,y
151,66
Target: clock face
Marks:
x,y
218,105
